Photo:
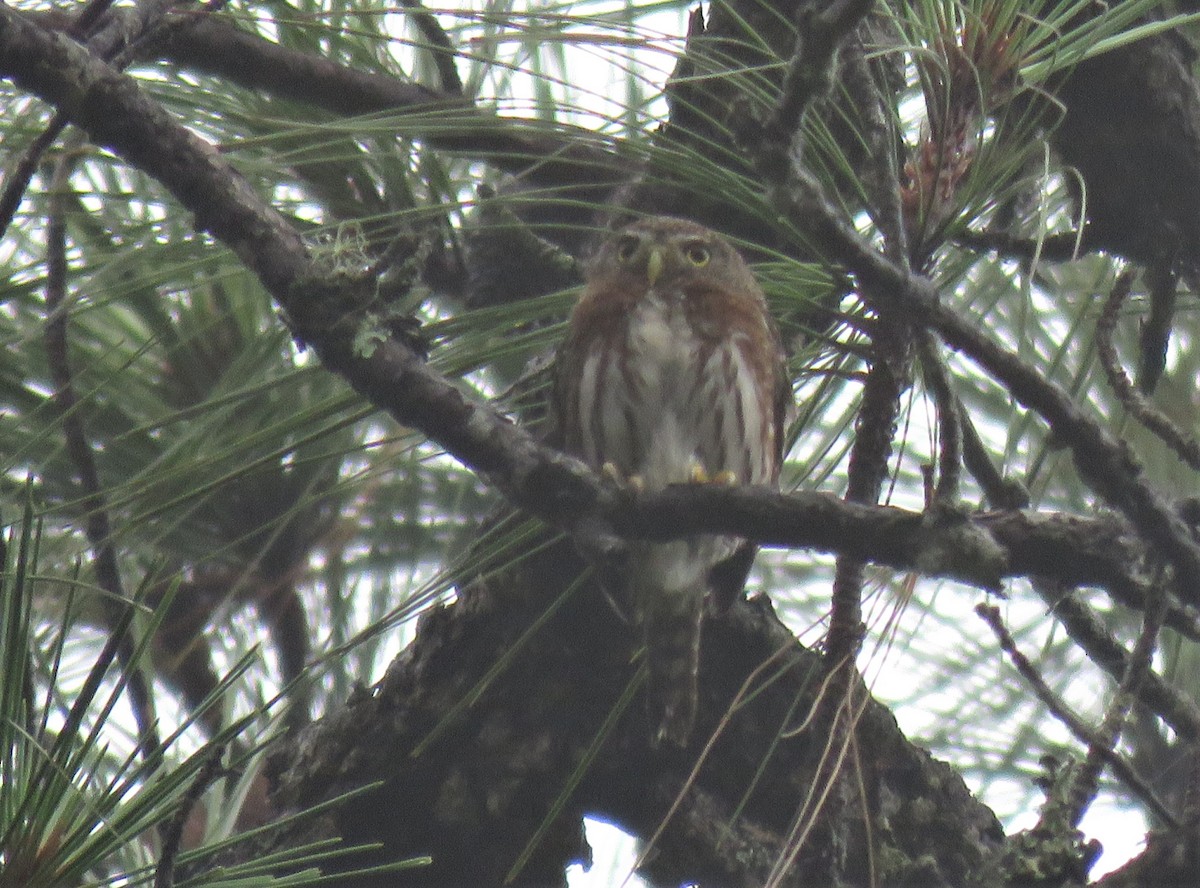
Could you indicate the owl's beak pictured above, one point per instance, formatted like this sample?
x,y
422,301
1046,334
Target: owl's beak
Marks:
x,y
654,263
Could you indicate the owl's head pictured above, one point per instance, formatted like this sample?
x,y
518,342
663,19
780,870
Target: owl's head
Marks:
x,y
667,253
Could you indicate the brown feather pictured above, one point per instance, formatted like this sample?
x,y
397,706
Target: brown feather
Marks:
x,y
672,363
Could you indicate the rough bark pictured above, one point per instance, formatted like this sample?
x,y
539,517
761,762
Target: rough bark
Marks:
x,y
481,788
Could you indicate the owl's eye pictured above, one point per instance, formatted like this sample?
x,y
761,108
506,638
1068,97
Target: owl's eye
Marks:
x,y
697,254
627,247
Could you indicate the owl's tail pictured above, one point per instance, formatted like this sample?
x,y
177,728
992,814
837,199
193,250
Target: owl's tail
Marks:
x,y
671,628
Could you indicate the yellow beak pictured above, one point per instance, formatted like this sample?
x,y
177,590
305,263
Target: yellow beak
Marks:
x,y
654,263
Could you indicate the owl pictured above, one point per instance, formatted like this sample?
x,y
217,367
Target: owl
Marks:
x,y
672,372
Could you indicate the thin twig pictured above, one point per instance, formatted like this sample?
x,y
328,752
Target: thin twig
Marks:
x,y
88,17
1177,709
23,170
1085,783
1155,335
97,527
879,171
1186,447
1001,492
1191,794
950,427
886,380
1065,247
990,614
440,47
164,874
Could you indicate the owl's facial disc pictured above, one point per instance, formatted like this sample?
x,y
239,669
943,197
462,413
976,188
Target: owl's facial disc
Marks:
x,y
628,248
642,254
653,256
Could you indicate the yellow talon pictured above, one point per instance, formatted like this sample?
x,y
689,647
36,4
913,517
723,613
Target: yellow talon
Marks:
x,y
724,477
634,483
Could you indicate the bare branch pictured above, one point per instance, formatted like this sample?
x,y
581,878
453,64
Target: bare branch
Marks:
x,y
1176,708
99,532
1060,710
1186,447
440,46
949,415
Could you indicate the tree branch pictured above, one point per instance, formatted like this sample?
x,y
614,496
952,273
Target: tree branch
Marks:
x,y
118,609
492,776
1059,708
1104,461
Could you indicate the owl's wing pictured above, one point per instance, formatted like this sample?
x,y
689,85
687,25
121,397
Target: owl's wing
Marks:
x,y
727,578
552,434
564,382
785,403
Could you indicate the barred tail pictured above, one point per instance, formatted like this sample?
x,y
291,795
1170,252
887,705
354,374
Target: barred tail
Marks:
x,y
671,628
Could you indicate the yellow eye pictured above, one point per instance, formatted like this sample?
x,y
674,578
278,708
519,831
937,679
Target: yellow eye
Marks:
x,y
627,247
697,254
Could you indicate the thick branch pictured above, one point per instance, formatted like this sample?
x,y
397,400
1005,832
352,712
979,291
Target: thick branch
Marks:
x,y
489,776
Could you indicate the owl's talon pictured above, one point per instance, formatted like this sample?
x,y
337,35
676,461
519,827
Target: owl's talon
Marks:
x,y
631,484
725,477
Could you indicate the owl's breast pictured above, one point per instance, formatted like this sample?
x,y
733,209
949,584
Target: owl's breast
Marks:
x,y
662,347
664,416
658,397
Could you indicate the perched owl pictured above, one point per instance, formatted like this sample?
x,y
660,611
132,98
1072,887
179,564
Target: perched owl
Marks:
x,y
672,371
